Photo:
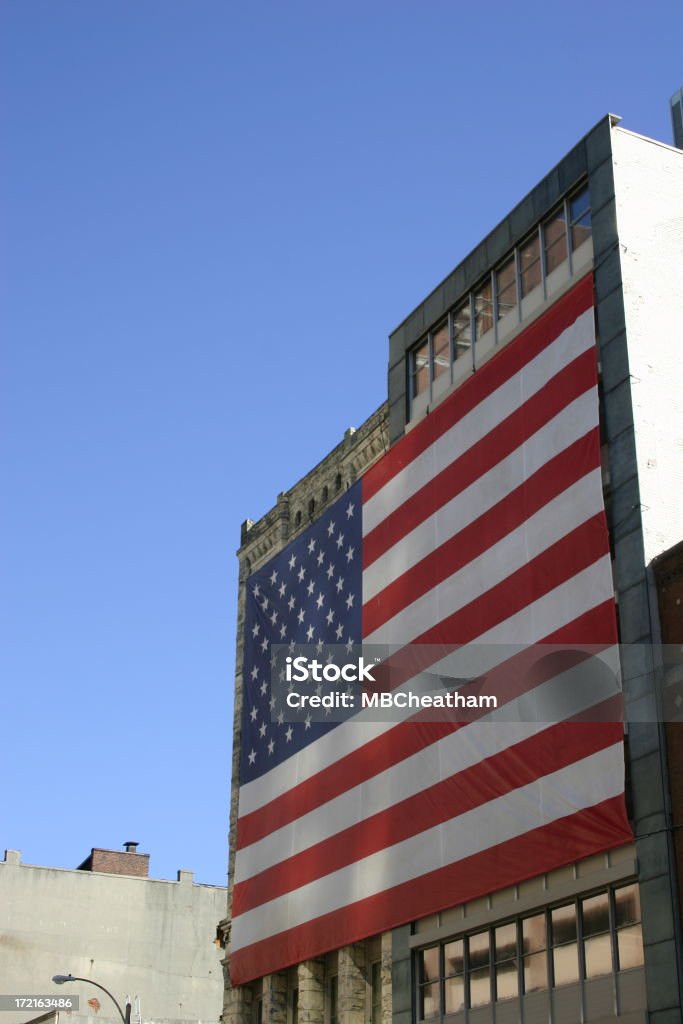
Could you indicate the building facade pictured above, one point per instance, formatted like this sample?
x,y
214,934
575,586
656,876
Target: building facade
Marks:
x,y
600,938
151,940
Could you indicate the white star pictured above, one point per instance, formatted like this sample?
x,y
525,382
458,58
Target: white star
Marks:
x,y
311,546
292,562
256,591
291,602
264,603
329,617
329,658
273,617
273,578
271,746
319,647
291,645
307,721
288,734
321,558
281,675
349,601
349,644
340,539
256,630
264,644
349,510
254,672
331,528
309,633
319,600
311,587
339,631
283,631
330,571
301,573
281,589
273,702
349,554
264,688
340,584
262,730
281,718
301,615
252,756
253,715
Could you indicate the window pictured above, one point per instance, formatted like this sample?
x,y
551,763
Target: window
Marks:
x,y
333,1003
297,519
375,992
311,508
506,288
338,482
530,265
590,936
483,310
294,1006
555,240
628,927
579,219
419,370
441,355
326,493
462,330
257,1002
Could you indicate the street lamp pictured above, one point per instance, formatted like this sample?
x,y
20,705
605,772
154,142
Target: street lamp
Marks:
x,y
60,979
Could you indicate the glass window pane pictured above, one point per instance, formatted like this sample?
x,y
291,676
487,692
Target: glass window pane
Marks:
x,y
429,964
505,939
533,934
454,952
579,206
555,241
478,949
506,287
564,924
462,330
506,980
376,982
627,905
440,349
566,963
480,986
483,310
630,946
595,911
598,953
530,265
455,994
420,369
333,999
429,1001
535,972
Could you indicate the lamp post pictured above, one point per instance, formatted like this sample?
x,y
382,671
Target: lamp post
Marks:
x,y
60,979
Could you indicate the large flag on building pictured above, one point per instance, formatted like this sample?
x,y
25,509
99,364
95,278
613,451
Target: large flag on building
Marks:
x,y
485,524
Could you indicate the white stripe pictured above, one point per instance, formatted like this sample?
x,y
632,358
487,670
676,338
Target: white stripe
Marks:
x,y
568,426
579,785
491,411
537,533
570,690
588,589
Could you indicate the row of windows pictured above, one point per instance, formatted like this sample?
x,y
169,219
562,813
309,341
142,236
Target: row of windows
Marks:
x,y
502,300
589,937
324,498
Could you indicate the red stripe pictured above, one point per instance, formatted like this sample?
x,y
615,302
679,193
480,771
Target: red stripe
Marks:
x,y
519,765
476,388
572,381
595,626
478,536
589,831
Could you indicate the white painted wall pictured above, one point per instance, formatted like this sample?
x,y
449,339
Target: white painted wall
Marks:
x,y
648,180
135,936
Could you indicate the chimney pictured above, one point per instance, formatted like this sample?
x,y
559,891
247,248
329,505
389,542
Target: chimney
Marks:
x,y
118,862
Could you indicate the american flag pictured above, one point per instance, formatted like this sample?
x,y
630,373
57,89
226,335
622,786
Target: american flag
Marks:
x,y
484,524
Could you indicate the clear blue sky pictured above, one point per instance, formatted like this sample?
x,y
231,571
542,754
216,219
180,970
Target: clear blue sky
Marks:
x,y
212,214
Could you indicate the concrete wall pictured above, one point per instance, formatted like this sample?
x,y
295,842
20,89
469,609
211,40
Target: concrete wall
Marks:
x,y
135,936
648,180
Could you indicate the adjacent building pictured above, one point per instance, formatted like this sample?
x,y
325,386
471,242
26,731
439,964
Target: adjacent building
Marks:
x,y
595,938
148,939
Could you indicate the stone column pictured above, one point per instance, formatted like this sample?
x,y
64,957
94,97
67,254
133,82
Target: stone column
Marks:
x,y
387,962
351,984
237,1005
275,998
312,992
